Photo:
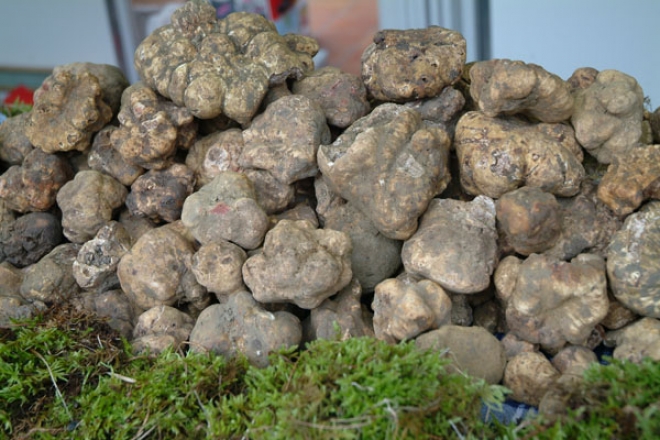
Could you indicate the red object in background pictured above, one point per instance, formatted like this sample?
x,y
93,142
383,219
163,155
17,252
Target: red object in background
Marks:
x,y
21,94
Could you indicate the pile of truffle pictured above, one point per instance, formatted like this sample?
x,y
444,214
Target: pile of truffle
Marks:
x,y
238,200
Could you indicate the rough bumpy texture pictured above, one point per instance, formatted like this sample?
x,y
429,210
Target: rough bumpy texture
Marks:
x,y
72,104
631,179
14,145
226,209
29,238
505,87
455,245
87,203
241,325
156,269
299,264
555,302
638,341
389,165
33,186
529,375
375,257
404,65
497,155
105,158
284,139
404,308
214,153
633,267
342,96
159,194
151,128
608,115
217,266
530,220
50,281
95,267
343,315
220,67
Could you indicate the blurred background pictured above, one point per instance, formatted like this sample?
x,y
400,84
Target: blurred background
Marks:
x,y
560,35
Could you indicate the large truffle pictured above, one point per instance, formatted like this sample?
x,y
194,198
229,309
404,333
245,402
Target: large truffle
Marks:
x,y
299,264
159,194
72,104
50,281
33,186
404,308
87,203
404,65
30,237
631,179
342,96
455,245
389,165
530,219
151,128
215,67
553,302
285,138
633,266
226,209
497,155
608,115
241,325
506,87
14,145
105,158
156,271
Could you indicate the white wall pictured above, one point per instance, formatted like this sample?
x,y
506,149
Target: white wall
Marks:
x,y
42,34
562,35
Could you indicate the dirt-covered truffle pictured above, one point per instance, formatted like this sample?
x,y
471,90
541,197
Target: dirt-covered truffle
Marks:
x,y
215,67
556,302
608,115
299,264
217,266
581,78
498,155
285,138
12,304
226,209
587,225
633,266
389,165
455,245
112,306
30,237
342,316
95,267
341,95
241,325
375,257
50,281
156,269
159,194
404,308
158,321
14,145
638,341
631,179
33,185
214,153
271,194
529,375
472,351
530,219
404,65
72,104
506,87
151,128
87,203
105,158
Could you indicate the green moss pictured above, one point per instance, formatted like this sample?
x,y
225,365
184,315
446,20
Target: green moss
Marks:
x,y
68,376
